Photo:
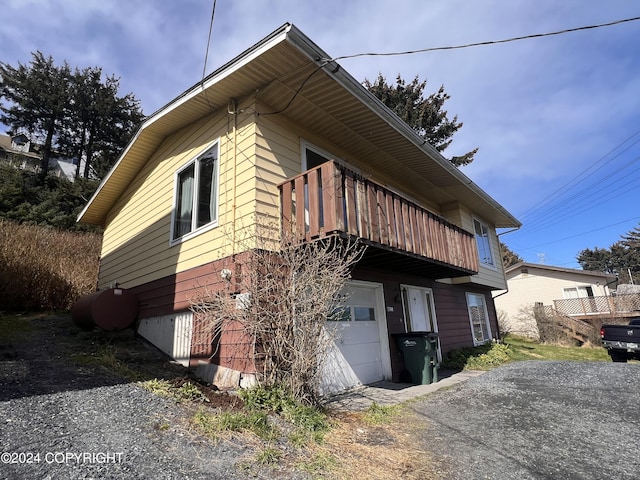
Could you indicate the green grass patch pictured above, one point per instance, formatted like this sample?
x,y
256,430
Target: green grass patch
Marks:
x,y
269,456
494,354
13,325
214,424
105,357
311,422
483,357
380,414
319,464
523,349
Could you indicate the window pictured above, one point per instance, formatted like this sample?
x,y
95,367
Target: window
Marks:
x,y
353,314
578,292
196,198
479,318
483,243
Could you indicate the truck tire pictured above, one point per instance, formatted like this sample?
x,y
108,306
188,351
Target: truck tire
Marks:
x,y
618,356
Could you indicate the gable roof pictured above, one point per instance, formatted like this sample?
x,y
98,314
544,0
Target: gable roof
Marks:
x,y
550,268
290,73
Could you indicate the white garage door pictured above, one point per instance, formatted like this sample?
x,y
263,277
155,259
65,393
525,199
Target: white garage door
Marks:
x,y
362,353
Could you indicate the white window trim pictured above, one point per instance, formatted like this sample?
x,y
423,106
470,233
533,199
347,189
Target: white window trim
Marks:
x,y
431,305
214,223
305,144
486,316
490,240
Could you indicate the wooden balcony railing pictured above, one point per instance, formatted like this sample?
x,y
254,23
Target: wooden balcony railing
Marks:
x,y
332,199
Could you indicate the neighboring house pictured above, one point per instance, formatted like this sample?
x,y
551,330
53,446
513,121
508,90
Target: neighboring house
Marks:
x,y
17,151
277,126
63,168
569,291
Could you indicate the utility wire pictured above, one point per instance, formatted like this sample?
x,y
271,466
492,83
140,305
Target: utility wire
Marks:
x,y
489,42
549,199
206,55
580,234
326,61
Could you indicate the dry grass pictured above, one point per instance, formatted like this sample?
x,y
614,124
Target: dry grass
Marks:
x,y
356,448
45,269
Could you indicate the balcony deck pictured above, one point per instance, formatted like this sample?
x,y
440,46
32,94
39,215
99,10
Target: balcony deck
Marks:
x,y
331,199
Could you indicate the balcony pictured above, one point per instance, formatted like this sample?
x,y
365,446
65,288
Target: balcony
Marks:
x,y
623,305
331,199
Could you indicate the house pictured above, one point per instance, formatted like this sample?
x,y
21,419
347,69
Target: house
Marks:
x,y
571,292
17,151
281,125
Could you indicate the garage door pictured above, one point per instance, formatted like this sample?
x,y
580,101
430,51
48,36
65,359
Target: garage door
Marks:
x,y
361,353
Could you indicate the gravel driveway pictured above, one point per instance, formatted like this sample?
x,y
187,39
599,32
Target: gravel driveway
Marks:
x,y
60,419
538,420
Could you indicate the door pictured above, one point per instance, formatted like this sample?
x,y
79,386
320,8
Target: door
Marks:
x,y
361,349
420,311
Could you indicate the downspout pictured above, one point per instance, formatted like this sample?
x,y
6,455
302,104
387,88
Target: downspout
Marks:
x,y
232,109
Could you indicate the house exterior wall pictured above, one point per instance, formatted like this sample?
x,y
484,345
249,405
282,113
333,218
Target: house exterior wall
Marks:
x,y
452,315
539,285
489,276
136,245
255,155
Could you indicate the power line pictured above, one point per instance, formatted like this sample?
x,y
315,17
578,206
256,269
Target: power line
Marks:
x,y
549,199
326,61
489,42
581,234
206,55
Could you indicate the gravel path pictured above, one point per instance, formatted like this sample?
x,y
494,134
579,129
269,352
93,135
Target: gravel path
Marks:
x,y
62,420
538,420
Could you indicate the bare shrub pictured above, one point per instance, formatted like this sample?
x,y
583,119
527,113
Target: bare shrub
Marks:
x,y
282,301
523,324
45,269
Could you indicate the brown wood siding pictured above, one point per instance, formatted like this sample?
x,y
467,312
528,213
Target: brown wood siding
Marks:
x,y
175,293
450,306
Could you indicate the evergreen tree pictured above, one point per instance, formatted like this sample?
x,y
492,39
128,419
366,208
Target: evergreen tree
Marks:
x,y
509,257
425,115
100,122
75,114
37,97
622,258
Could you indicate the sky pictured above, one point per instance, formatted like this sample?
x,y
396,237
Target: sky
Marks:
x,y
556,118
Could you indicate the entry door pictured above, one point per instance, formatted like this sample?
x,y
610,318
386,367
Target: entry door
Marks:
x,y
420,311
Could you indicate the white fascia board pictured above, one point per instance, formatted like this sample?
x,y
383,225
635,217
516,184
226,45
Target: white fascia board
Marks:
x,y
224,71
342,77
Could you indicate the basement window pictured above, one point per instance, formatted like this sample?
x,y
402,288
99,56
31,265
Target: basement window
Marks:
x,y
195,206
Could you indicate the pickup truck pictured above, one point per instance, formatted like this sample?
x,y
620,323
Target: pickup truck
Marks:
x,y
622,341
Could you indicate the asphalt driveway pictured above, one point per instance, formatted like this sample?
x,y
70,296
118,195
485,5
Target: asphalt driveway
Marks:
x,y
538,420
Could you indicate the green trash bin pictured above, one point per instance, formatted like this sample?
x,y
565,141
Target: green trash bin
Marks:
x,y
420,353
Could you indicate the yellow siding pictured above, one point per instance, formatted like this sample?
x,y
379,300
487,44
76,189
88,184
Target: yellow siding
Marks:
x,y
136,247
256,154
540,285
487,276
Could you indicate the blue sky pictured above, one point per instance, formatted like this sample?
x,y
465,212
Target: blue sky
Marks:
x,y
556,119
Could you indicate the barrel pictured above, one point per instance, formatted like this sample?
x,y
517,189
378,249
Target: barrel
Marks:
x,y
112,309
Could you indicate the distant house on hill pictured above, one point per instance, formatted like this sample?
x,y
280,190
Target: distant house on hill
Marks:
x,y
19,152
